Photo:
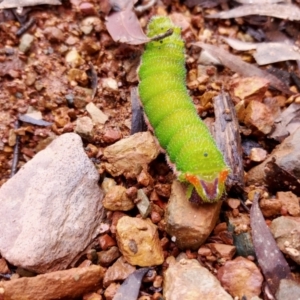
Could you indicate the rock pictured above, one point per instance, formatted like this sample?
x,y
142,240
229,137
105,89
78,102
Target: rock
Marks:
x,y
259,117
90,23
78,75
241,278
111,135
107,184
117,199
67,284
93,296
288,290
120,270
138,241
110,84
144,178
81,95
54,34
106,241
129,155
3,266
189,224
54,212
221,250
188,280
290,202
143,205
270,207
74,59
111,291
250,88
84,127
117,215
87,8
286,155
258,154
96,114
25,42
90,45
286,231
105,258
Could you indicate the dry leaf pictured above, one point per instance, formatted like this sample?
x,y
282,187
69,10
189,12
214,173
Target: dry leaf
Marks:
x,y
282,11
22,3
267,53
123,25
270,259
237,65
287,122
131,286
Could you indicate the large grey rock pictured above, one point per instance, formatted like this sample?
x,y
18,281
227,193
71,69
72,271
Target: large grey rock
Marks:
x,y
51,209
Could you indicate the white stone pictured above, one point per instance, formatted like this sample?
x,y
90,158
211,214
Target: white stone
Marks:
x,y
51,209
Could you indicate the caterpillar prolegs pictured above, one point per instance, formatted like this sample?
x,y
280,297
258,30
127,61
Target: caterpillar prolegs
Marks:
x,y
170,111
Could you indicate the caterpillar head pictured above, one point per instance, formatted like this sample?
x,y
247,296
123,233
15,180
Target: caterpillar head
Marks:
x,y
210,187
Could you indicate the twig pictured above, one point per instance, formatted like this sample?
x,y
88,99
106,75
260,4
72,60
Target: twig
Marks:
x,y
16,152
25,27
162,35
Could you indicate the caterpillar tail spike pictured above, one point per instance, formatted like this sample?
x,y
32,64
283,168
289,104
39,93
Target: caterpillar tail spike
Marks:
x,y
169,109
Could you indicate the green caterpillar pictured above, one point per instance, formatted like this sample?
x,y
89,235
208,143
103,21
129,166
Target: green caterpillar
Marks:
x,y
191,150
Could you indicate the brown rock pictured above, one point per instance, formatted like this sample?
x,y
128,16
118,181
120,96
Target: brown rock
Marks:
x,y
67,284
87,8
259,117
54,34
270,207
241,278
250,88
111,291
163,190
106,241
138,241
105,258
3,266
188,280
78,75
144,178
286,231
129,155
92,296
189,224
117,215
90,45
222,251
120,270
57,193
111,135
290,201
117,199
